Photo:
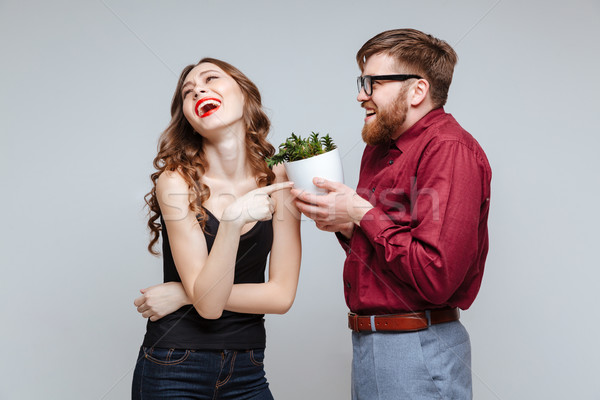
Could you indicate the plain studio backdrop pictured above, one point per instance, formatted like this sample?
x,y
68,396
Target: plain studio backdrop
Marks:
x,y
85,92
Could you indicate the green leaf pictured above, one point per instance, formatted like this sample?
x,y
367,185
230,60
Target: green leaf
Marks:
x,y
296,148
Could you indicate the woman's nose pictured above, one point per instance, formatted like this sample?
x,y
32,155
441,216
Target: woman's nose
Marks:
x,y
199,91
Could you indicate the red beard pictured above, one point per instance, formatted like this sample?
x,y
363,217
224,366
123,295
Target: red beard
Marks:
x,y
387,121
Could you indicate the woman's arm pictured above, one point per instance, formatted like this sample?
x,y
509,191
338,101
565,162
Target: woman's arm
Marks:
x,y
208,278
277,295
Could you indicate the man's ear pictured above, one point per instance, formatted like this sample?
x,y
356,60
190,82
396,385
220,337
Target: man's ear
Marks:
x,y
420,91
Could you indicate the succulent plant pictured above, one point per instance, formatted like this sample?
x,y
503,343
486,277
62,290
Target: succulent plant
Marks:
x,y
296,148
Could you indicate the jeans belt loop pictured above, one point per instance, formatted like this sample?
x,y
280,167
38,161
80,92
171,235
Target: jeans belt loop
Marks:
x,y
373,328
428,316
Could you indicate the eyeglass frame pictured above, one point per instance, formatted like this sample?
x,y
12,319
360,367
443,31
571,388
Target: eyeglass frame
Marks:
x,y
360,81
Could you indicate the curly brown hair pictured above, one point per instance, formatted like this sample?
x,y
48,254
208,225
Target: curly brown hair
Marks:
x,y
180,148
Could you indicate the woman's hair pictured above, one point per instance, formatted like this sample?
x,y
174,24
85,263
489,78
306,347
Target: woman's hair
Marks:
x,y
180,148
423,54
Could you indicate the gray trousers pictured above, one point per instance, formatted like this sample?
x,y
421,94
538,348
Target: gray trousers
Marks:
x,y
434,363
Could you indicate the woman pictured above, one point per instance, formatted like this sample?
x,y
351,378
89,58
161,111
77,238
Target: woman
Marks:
x,y
221,212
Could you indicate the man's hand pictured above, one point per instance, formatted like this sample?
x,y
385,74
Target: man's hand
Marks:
x,y
337,211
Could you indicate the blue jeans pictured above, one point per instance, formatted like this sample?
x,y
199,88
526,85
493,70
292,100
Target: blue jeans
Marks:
x,y
434,363
200,374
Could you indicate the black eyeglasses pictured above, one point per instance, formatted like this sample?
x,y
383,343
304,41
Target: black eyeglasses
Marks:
x,y
366,81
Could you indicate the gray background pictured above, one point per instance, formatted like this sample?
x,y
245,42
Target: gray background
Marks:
x,y
86,90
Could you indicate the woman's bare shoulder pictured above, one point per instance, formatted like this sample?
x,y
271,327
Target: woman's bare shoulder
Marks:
x,y
171,180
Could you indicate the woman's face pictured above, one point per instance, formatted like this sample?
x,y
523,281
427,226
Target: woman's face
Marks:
x,y
212,100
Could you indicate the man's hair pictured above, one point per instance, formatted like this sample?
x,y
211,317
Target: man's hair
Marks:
x,y
420,53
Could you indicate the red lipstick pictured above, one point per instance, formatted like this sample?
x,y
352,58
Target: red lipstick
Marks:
x,y
207,106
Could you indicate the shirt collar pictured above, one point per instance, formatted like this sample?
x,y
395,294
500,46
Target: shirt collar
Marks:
x,y
406,138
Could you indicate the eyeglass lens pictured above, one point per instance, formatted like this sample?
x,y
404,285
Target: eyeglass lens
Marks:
x,y
364,82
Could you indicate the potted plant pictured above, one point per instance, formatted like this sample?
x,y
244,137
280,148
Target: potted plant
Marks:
x,y
305,159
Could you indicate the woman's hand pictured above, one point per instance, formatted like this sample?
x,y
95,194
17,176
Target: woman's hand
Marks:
x,y
256,205
160,300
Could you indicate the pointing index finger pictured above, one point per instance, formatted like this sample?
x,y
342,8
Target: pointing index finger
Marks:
x,y
275,187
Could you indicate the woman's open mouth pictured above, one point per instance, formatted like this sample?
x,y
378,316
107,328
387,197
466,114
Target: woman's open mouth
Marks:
x,y
207,106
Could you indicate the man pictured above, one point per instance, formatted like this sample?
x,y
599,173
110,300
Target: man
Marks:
x,y
415,230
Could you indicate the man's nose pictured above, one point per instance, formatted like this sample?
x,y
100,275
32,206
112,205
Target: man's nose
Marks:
x,y
362,95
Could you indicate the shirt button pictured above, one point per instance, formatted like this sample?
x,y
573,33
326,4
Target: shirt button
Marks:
x,y
391,162
348,285
373,190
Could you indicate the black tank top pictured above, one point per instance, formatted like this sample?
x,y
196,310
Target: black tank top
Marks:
x,y
186,329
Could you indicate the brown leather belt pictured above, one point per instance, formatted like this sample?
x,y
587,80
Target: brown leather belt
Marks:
x,y
408,322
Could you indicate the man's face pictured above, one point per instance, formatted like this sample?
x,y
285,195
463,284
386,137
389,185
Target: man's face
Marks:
x,y
387,107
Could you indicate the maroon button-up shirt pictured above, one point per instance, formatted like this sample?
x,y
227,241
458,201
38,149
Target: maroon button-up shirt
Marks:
x,y
423,245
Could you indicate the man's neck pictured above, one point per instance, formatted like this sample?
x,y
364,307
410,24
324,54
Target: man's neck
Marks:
x,y
413,116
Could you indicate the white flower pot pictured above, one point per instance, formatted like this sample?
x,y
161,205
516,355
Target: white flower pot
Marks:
x,y
327,165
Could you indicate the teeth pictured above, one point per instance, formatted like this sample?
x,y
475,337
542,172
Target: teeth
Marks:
x,y
207,102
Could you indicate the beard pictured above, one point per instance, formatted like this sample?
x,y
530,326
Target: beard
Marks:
x,y
387,121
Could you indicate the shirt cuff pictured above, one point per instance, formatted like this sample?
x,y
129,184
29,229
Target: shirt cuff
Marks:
x,y
374,222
